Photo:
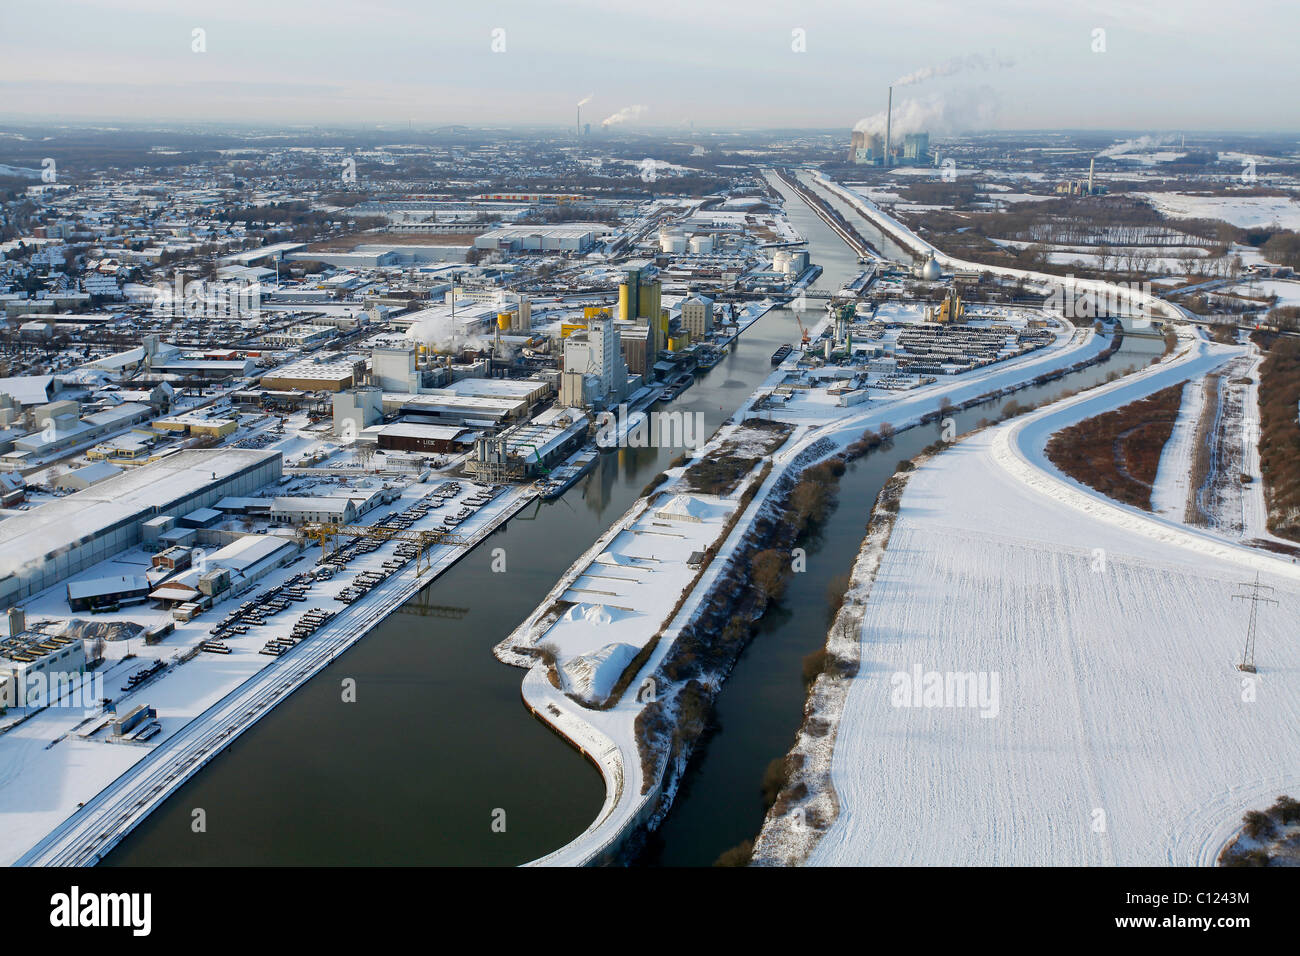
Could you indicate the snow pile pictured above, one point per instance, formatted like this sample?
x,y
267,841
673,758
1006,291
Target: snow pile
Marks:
x,y
592,677
592,614
685,508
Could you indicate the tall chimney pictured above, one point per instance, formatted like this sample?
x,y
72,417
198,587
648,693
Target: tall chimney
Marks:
x,y
889,119
1091,164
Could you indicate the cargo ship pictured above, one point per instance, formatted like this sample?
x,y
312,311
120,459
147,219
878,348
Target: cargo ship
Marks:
x,y
563,478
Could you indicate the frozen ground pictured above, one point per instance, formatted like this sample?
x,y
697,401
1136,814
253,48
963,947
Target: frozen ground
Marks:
x,y
1243,211
1119,730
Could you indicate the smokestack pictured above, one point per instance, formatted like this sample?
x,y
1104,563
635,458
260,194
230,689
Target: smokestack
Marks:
x,y
578,129
889,118
1091,164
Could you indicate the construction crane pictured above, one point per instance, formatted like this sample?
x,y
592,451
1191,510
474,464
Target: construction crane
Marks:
x,y
325,533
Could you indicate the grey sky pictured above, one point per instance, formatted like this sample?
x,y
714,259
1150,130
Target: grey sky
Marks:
x,y
1167,65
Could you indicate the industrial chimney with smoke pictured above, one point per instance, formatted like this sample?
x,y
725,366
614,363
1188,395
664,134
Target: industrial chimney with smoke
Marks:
x,y
889,117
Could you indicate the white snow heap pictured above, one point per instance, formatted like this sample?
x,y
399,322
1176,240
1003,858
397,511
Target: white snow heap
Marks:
x,y
685,508
592,676
593,614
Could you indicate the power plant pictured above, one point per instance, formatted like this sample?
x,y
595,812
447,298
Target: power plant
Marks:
x,y
867,149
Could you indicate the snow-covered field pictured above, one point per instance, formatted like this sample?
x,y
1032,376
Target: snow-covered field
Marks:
x,y
1244,211
1114,727
1286,290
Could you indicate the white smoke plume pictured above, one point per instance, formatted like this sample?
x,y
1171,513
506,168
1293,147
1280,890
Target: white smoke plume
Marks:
x,y
938,114
439,333
623,115
1138,145
958,64
586,99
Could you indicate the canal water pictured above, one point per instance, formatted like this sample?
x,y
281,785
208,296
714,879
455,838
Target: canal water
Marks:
x,y
438,740
438,746
760,706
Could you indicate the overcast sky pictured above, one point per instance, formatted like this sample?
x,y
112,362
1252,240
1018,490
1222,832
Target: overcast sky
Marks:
x,y
1189,65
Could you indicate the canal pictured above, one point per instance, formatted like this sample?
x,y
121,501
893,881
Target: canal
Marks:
x,y
438,739
438,744
760,707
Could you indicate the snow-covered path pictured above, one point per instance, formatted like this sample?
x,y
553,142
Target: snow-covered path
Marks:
x,y
1123,732
1173,478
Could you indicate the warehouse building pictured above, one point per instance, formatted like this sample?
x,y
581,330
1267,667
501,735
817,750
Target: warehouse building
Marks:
x,y
37,668
558,237
107,592
314,376
48,544
428,439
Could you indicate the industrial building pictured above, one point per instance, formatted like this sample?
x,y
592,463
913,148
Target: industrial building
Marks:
x,y
639,296
31,661
697,315
531,447
107,592
233,568
558,237
300,337
594,371
316,375
50,543
424,438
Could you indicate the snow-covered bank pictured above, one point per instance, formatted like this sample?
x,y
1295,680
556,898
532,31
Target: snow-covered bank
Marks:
x,y
1120,731
1132,296
608,736
807,802
1173,477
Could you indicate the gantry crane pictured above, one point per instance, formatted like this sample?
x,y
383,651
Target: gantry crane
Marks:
x,y
325,532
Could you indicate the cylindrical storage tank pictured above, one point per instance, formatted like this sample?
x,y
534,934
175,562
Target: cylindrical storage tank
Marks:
x,y
503,320
781,261
626,302
701,245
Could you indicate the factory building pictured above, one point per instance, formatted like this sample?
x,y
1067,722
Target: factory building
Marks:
x,y
362,407
311,375
232,568
35,667
866,149
300,337
558,237
697,315
61,538
639,296
594,370
528,448
108,592
424,438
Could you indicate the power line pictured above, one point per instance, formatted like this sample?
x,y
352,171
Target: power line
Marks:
x,y
1252,594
